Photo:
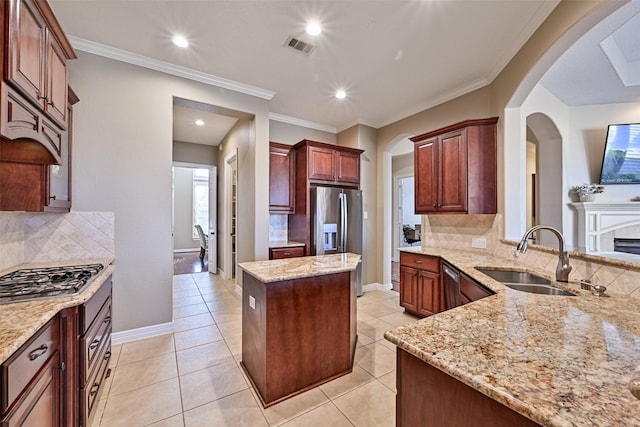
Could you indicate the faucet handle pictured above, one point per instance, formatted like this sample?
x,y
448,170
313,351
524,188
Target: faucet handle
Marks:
x,y
598,290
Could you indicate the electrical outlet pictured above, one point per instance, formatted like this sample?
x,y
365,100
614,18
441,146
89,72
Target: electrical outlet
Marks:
x,y
479,243
252,302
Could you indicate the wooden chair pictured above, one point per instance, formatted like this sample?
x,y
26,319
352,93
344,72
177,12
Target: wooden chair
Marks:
x,y
203,241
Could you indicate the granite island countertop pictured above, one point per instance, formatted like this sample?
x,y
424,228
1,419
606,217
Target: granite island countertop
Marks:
x,y
558,360
295,268
20,320
277,244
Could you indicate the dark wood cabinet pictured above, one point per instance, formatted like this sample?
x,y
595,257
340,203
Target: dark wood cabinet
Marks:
x,y
281,178
281,253
31,380
456,169
420,284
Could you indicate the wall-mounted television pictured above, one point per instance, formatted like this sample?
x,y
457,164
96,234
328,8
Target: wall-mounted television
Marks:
x,y
621,161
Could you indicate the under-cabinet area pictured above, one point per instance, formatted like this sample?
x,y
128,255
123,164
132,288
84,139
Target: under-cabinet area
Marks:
x,y
53,376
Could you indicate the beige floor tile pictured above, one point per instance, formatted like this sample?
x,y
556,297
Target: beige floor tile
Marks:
x,y
193,322
364,340
99,408
391,346
325,415
220,303
231,329
131,376
232,315
179,302
145,348
373,296
115,355
389,381
374,328
376,359
189,310
235,345
370,405
399,319
143,406
294,407
211,384
195,337
346,383
377,308
203,356
175,421
191,291
237,410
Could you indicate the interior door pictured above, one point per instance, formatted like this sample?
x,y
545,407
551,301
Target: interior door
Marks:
x,y
213,221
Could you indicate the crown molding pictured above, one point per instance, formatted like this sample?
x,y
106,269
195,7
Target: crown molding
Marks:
x,y
300,122
165,67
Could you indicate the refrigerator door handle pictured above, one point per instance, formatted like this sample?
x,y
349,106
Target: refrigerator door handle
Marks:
x,y
343,199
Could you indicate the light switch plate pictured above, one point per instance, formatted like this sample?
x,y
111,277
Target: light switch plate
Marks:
x,y
252,302
479,243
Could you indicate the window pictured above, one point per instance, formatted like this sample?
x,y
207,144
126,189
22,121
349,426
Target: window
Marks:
x,y
200,200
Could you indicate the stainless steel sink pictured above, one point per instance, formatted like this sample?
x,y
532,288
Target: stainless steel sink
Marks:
x,y
523,281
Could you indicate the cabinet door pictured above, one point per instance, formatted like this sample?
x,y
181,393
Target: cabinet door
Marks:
x,y
56,75
452,157
428,295
281,179
409,288
426,176
322,164
348,167
41,405
27,36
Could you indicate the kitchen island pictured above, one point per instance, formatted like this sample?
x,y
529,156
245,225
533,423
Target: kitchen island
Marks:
x,y
540,359
298,323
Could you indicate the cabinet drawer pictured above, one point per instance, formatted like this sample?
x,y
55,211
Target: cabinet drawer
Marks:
x,y
91,391
422,262
280,253
472,290
90,309
95,340
25,363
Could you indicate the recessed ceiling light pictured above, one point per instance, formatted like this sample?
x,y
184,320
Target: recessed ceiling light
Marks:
x,y
180,41
313,28
341,94
200,122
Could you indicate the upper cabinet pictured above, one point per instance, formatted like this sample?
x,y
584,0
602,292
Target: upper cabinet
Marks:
x,y
281,178
34,90
324,163
455,169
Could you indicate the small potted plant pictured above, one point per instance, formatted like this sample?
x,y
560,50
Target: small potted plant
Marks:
x,y
587,192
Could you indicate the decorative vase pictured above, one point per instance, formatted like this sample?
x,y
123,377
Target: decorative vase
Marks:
x,y
587,197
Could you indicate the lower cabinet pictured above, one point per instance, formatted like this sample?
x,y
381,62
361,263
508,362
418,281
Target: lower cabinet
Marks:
x,y
31,379
420,284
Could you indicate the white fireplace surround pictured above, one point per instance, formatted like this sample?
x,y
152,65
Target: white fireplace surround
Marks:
x,y
599,223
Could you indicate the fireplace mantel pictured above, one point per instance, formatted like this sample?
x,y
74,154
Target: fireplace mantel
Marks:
x,y
597,219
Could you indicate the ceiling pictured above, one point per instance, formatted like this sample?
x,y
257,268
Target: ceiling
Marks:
x,y
393,58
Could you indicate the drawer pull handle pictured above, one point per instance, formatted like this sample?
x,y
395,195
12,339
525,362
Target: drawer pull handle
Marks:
x,y
94,389
107,319
107,355
94,344
418,261
287,254
34,354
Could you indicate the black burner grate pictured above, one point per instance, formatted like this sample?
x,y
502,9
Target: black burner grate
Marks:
x,y
36,283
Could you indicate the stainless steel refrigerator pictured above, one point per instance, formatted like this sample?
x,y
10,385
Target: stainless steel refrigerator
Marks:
x,y
336,224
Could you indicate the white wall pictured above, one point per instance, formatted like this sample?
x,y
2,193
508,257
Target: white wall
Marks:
x,y
286,133
183,209
122,162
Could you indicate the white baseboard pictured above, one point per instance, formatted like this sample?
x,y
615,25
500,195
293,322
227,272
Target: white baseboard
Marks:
x,y
377,287
182,251
239,290
141,333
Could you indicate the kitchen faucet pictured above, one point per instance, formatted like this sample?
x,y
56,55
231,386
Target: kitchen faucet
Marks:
x,y
563,269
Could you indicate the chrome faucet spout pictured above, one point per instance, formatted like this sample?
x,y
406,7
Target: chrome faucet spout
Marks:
x,y
563,268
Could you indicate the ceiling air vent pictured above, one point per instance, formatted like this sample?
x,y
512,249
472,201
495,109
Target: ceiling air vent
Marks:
x,y
298,45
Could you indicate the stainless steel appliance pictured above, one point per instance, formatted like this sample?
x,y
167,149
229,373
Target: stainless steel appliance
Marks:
x,y
451,284
39,283
336,224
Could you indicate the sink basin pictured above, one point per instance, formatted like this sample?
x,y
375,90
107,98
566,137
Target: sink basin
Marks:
x,y
525,282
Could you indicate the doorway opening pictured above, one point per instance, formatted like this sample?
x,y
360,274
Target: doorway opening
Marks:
x,y
231,205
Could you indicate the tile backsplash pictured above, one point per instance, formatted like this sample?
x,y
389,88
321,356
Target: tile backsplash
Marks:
x,y
39,237
278,227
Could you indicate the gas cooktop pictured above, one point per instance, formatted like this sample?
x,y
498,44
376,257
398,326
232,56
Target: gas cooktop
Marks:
x,y
39,283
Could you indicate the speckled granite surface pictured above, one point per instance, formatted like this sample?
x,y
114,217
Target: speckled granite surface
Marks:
x,y
295,268
274,244
560,361
19,321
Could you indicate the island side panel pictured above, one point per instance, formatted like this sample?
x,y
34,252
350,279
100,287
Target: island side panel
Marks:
x,y
431,398
254,332
308,333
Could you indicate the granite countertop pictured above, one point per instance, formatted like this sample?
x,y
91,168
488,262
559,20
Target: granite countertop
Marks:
x,y
20,320
560,361
295,268
275,244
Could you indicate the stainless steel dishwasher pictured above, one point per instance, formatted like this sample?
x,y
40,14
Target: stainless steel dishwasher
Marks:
x,y
451,284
